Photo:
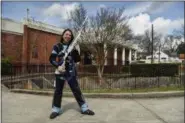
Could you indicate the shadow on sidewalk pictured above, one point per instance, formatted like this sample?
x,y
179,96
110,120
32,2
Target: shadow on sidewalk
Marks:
x,y
71,105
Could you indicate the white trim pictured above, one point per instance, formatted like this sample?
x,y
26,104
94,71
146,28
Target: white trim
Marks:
x,y
43,26
10,20
130,55
19,26
11,25
10,32
135,55
123,56
115,56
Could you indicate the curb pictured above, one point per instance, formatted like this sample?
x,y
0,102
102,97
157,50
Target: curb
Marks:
x,y
108,95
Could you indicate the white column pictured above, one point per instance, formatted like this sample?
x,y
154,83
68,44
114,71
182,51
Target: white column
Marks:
x,y
115,56
105,52
123,56
135,55
130,55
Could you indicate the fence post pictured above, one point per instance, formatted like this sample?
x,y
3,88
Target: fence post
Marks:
x,y
158,81
135,82
183,74
11,76
180,73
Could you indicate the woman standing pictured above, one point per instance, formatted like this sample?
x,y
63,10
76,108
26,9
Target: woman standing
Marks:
x,y
69,75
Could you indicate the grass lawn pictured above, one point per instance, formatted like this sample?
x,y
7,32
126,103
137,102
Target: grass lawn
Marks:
x,y
160,89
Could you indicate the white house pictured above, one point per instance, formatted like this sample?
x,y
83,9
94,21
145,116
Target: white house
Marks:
x,y
159,56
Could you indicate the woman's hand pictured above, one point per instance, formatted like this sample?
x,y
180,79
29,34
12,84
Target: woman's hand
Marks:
x,y
61,68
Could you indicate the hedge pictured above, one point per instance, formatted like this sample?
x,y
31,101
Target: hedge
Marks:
x,y
107,69
136,70
5,66
152,70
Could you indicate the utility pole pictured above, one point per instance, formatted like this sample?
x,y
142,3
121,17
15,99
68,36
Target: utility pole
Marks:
x,y
27,14
152,59
159,53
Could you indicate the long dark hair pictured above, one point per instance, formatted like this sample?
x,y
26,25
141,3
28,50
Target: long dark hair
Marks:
x,y
72,36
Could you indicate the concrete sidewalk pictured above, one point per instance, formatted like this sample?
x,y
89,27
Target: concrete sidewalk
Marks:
x,y
109,95
26,108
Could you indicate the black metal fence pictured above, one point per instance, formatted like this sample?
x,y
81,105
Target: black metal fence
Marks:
x,y
114,77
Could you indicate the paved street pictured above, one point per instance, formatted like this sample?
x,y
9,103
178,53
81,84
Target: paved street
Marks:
x,y
25,108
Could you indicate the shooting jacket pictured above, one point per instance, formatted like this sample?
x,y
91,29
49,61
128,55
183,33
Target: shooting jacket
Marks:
x,y
56,59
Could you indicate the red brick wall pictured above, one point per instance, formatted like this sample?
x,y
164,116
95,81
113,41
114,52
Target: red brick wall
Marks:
x,y
19,48
110,57
11,46
25,46
41,43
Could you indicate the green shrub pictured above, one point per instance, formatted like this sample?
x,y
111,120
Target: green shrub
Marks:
x,y
152,70
107,69
6,66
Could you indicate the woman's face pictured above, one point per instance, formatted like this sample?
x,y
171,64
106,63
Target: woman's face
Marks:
x,y
67,36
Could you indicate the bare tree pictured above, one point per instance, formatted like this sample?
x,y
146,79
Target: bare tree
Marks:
x,y
179,33
104,32
181,48
171,43
77,17
145,41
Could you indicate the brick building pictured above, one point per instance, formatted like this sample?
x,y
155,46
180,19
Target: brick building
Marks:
x,y
30,42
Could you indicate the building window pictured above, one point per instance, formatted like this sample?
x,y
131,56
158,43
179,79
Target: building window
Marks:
x,y
35,52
